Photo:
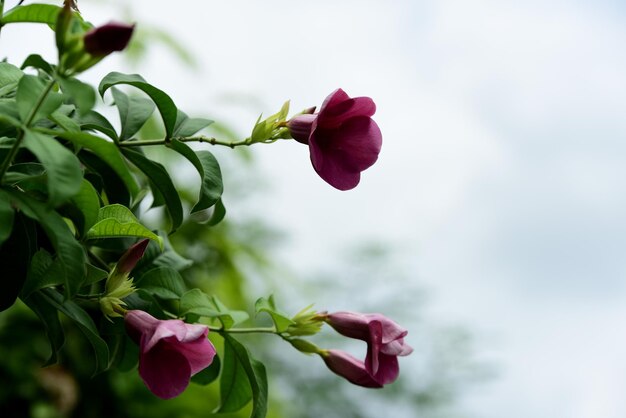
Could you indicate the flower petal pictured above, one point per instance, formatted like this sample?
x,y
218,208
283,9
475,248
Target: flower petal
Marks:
x,y
199,353
388,369
165,372
350,368
164,329
339,107
397,348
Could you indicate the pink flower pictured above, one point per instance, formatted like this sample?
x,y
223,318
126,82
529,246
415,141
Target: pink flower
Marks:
x,y
384,338
342,137
103,40
349,367
170,351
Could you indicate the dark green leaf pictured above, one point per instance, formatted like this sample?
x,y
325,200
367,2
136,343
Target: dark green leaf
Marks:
x,y
94,274
163,282
87,202
208,375
134,112
209,169
81,94
219,212
62,167
84,323
256,377
163,183
6,220
49,315
164,103
44,271
30,89
107,151
195,301
34,13
15,255
69,252
155,257
93,120
235,390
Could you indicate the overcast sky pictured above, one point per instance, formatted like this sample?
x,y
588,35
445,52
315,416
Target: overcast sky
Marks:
x,y
502,172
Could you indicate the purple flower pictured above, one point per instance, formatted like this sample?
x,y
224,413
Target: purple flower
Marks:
x,y
342,137
350,368
384,338
170,351
103,40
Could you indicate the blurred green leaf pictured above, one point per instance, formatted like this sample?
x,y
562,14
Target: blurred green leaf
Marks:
x,y
49,315
94,121
186,126
15,255
62,166
164,103
84,323
134,111
9,77
36,61
33,13
211,188
219,212
30,89
163,183
195,301
163,282
228,317
70,253
6,220
79,93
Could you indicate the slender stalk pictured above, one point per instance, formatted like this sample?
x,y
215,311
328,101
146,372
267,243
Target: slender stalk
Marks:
x,y
201,139
270,330
20,137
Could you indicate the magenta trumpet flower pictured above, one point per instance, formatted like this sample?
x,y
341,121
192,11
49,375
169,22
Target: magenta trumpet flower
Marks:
x,y
343,139
384,338
170,351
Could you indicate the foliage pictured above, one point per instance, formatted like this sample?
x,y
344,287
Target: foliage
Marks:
x,y
76,189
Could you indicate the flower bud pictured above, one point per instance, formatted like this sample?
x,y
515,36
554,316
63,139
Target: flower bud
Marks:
x,y
105,39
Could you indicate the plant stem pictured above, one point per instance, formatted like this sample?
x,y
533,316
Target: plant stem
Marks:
x,y
270,330
20,137
201,139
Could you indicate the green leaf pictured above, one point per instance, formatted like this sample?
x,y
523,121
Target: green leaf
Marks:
x,y
79,93
88,204
155,257
227,317
84,323
34,13
107,151
9,77
281,320
116,221
36,61
163,183
186,126
236,390
69,252
208,375
44,271
63,121
94,121
163,282
195,301
30,89
62,167
134,112
15,255
207,166
95,274
7,214
49,315
164,103
219,212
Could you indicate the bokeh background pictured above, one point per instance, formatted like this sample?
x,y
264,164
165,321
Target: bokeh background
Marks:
x,y
492,225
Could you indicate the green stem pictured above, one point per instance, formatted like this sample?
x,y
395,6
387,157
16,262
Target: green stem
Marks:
x,y
270,330
20,137
201,139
